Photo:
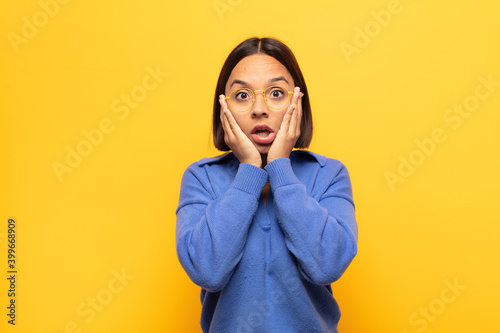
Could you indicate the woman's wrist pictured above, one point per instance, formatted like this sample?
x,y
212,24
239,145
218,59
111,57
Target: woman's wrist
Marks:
x,y
257,164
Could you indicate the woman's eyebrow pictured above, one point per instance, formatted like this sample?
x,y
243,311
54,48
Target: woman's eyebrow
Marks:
x,y
272,80
238,81
280,78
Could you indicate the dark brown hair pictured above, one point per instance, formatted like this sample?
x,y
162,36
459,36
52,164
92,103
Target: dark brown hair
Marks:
x,y
282,53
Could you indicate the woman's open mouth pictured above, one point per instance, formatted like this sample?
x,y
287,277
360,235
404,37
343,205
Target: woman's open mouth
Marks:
x,y
263,134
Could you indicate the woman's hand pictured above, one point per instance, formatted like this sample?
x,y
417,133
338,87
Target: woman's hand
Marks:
x,y
289,131
234,137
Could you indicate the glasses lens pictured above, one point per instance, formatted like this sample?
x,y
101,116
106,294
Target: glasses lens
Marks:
x,y
276,97
241,99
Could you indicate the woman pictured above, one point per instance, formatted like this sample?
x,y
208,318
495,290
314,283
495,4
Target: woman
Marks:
x,y
265,230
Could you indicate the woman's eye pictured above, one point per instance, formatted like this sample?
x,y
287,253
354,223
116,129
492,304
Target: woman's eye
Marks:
x,y
241,95
277,93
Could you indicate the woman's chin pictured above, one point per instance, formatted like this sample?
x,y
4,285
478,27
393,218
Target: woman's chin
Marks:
x,y
263,149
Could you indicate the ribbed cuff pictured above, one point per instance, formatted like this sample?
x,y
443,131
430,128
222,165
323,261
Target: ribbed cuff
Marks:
x,y
250,179
281,173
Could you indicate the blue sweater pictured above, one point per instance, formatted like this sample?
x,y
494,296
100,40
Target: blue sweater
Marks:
x,y
266,268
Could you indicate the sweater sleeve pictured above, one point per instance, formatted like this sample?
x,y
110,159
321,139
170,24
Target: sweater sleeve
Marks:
x,y
322,234
211,232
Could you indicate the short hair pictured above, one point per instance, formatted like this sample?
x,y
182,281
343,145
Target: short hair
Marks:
x,y
278,50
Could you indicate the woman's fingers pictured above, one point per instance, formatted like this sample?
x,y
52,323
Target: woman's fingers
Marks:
x,y
231,127
294,115
299,115
235,128
287,118
228,132
238,134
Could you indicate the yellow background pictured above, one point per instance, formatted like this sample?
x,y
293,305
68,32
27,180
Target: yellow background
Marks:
x,y
115,211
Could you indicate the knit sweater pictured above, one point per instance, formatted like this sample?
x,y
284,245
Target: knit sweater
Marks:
x,y
266,268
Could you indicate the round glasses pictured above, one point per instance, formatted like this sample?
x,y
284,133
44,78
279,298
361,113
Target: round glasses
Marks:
x,y
242,99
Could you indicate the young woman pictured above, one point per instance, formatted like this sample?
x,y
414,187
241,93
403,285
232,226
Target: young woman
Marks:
x,y
265,230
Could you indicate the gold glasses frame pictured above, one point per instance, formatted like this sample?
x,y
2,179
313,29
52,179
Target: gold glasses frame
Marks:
x,y
263,95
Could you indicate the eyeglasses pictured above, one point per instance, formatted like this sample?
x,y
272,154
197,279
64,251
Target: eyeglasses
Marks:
x,y
242,99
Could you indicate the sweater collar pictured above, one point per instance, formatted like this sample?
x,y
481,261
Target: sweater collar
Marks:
x,y
295,154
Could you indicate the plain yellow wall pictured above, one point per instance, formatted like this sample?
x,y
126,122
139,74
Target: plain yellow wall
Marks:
x,y
105,103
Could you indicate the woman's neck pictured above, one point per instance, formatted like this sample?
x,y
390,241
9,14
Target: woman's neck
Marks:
x,y
264,160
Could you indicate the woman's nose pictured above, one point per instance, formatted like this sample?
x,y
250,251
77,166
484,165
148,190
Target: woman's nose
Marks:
x,y
259,107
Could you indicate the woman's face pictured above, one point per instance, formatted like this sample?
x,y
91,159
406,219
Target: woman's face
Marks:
x,y
259,72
